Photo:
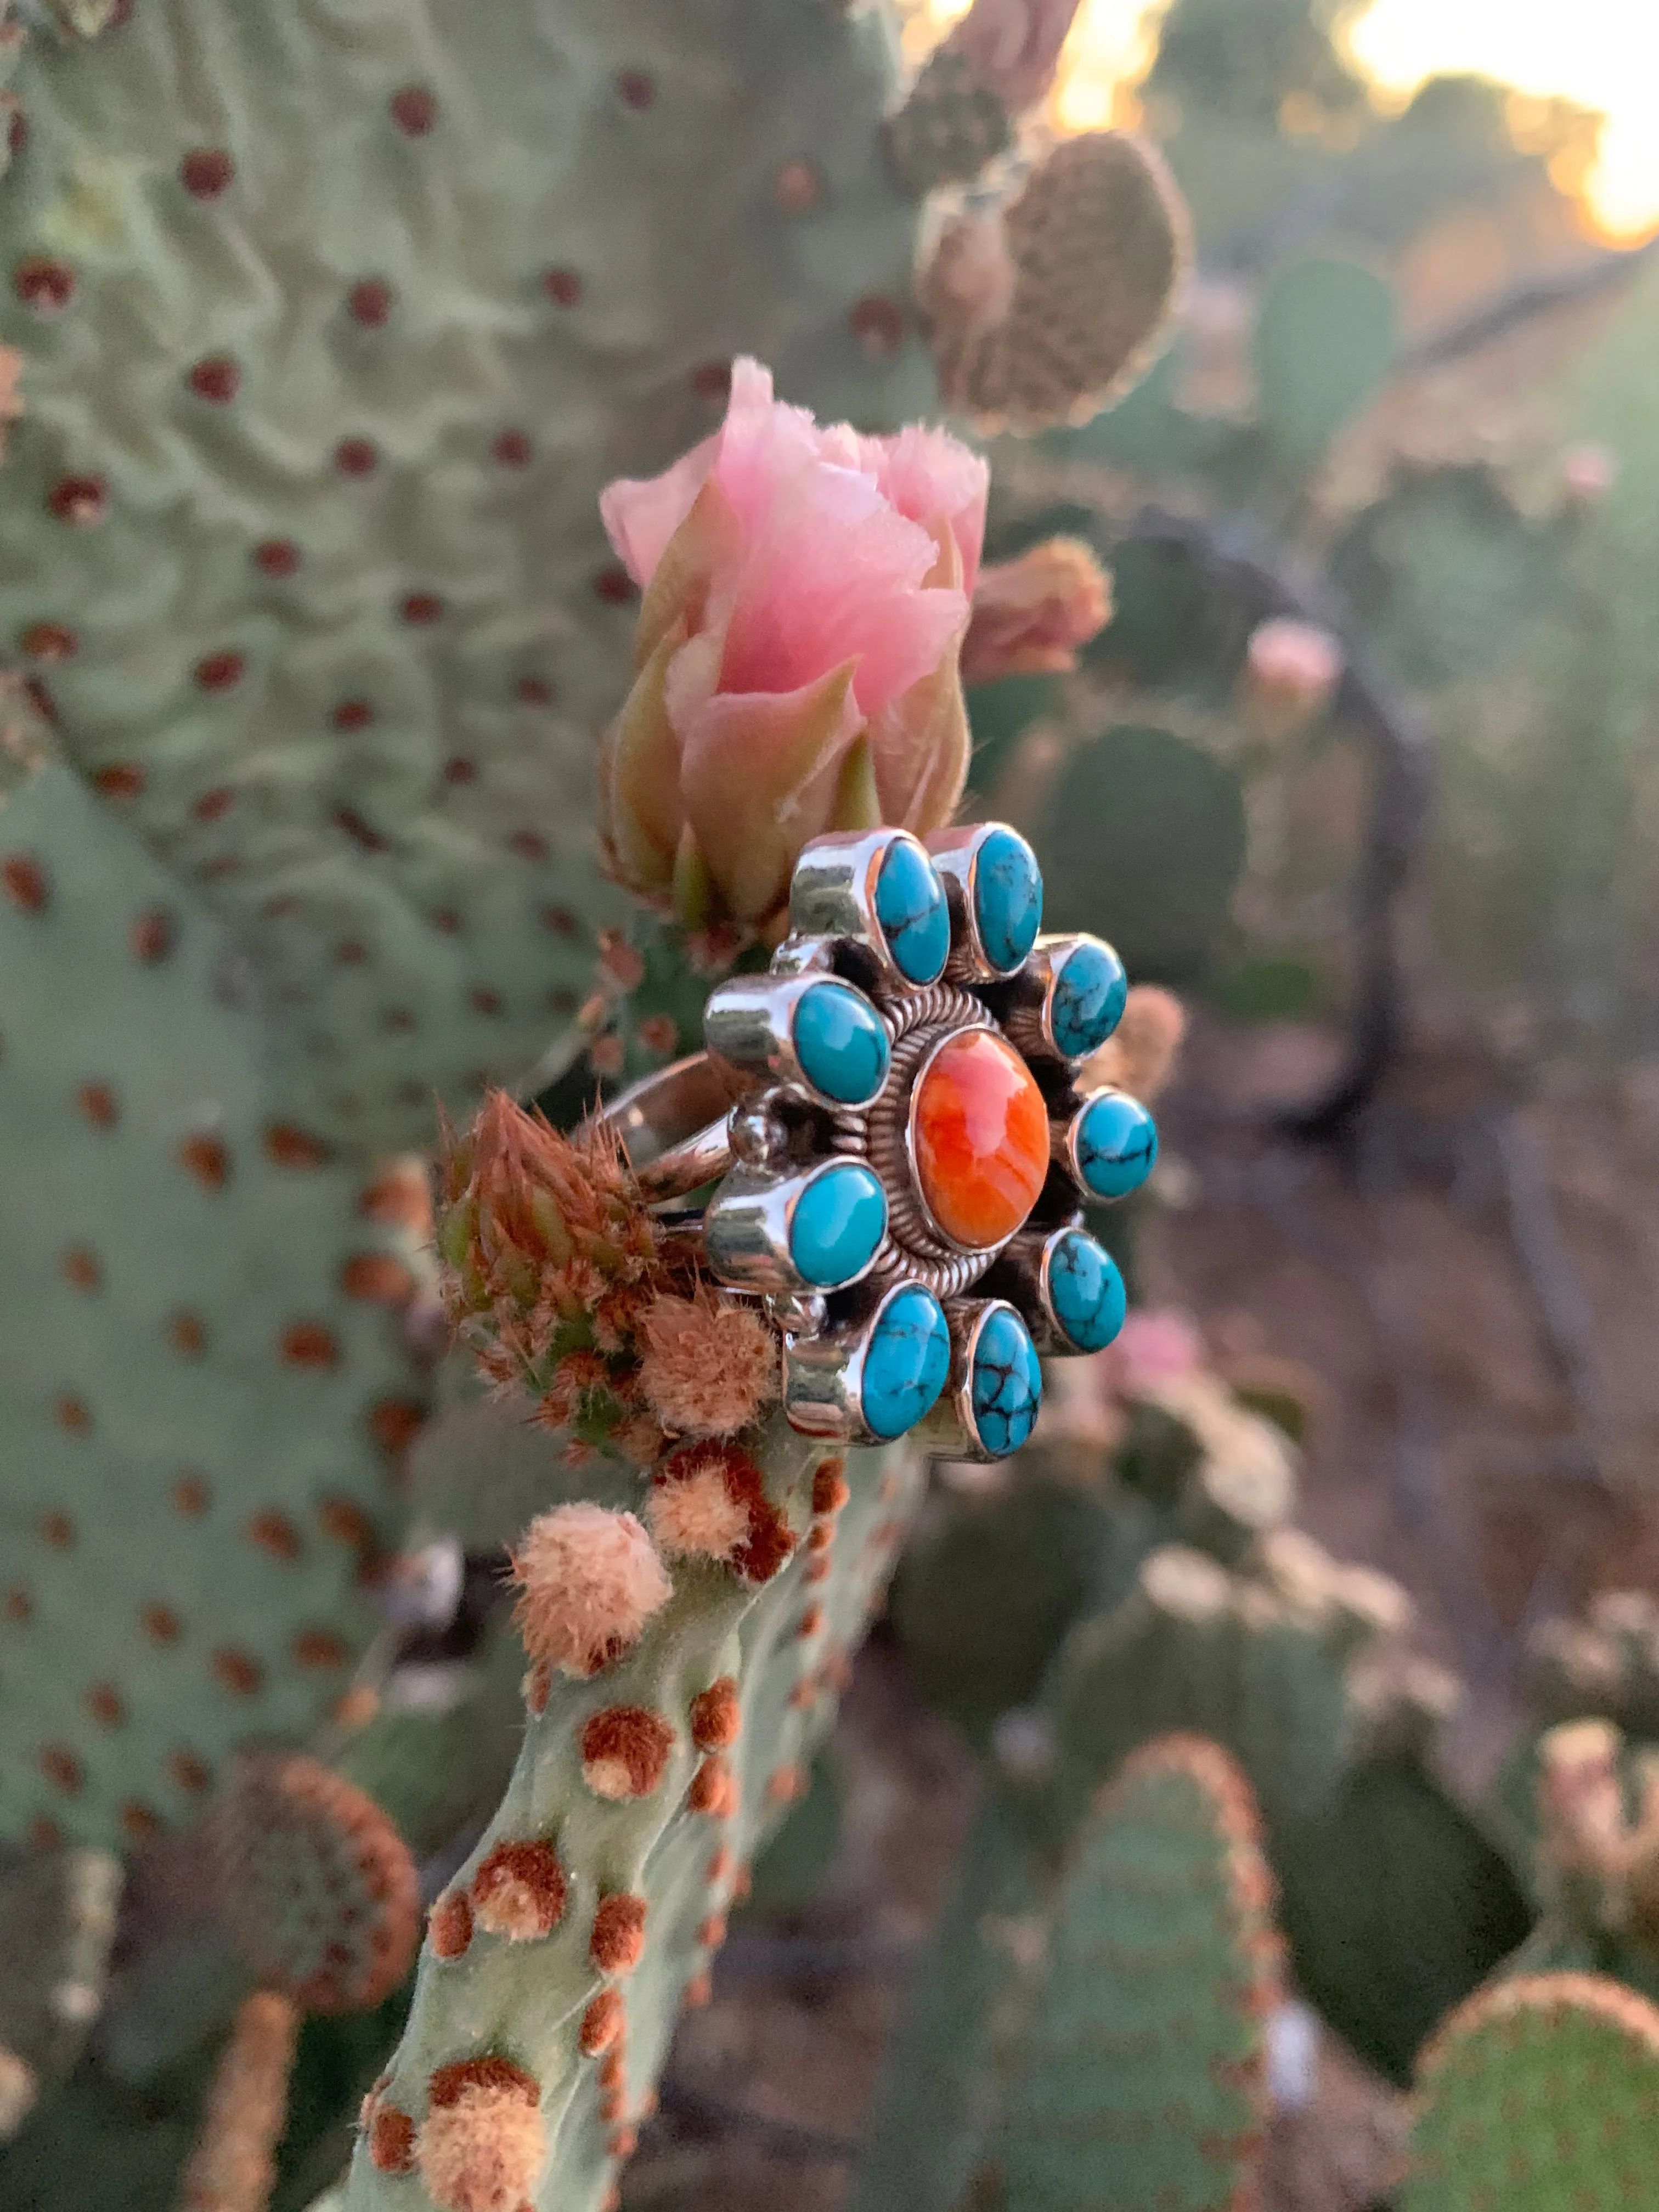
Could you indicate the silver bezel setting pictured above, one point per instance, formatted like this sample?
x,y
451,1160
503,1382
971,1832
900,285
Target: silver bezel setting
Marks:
x,y
786,1132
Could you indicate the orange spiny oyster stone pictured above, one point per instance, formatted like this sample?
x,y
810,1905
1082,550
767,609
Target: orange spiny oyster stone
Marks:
x,y
981,1131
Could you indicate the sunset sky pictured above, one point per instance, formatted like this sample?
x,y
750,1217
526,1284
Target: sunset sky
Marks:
x,y
1601,53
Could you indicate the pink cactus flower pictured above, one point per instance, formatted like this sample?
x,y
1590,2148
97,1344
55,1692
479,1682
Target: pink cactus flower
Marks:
x,y
1032,614
1153,1347
1291,670
1588,472
806,589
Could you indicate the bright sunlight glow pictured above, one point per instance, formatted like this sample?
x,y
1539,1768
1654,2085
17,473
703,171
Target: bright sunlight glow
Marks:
x,y
1602,54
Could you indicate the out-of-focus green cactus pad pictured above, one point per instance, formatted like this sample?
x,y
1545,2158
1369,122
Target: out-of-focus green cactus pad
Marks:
x,y
203,1380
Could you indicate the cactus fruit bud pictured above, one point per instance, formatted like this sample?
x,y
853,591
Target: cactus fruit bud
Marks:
x,y
803,587
999,58
1031,615
1291,670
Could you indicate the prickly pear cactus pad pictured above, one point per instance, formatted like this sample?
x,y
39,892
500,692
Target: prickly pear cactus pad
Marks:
x,y
1144,2079
1540,2095
675,1698
335,324
204,1380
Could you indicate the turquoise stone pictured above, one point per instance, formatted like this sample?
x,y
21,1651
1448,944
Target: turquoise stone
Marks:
x,y
1007,1384
840,1043
1007,898
1117,1145
911,910
1085,1291
1089,992
838,1221
906,1362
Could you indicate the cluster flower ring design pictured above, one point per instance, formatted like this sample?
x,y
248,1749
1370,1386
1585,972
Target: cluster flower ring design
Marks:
x,y
907,1153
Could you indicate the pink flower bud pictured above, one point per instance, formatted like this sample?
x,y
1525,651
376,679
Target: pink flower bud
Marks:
x,y
1031,615
1292,671
804,589
1588,473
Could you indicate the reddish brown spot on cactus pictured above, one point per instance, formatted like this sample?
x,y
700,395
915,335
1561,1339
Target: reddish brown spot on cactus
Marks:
x,y
450,1925
391,2141
353,715
276,1536
308,1344
49,641
413,109
150,936
698,1992
45,1834
821,1537
518,1891
829,1490
140,1823
715,1719
422,607
237,1671
45,286
712,1933
356,456
785,1784
18,1606
370,302
161,1624
217,378
603,2023
635,89
617,1943
458,769
99,1103
219,672
82,1268
79,499
122,780
377,1277
191,1496
205,172
189,1772
877,324
563,287
287,1146
61,1768
625,1751
73,1415
611,2074
710,1497
450,2084
103,1702
207,1159
394,1423
361,831
212,805
712,1788
277,557
798,187
351,954
317,1649
483,1001
528,844
398,1021
187,1334
810,1622
615,587
446,920
347,1523
25,881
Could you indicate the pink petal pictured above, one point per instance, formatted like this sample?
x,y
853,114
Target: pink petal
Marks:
x,y
835,575
641,513
931,477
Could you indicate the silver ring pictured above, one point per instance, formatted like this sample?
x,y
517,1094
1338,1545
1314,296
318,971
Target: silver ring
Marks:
x,y
893,1120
